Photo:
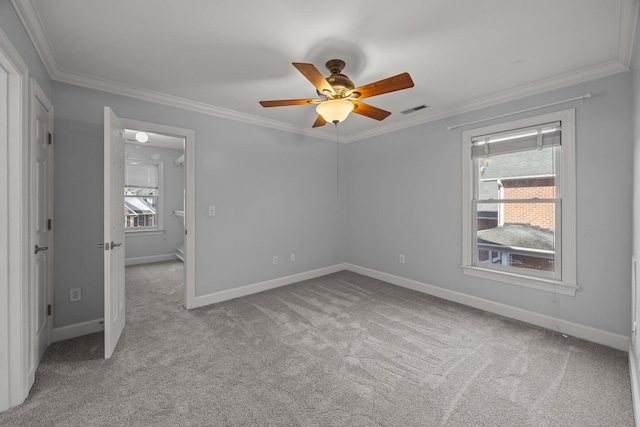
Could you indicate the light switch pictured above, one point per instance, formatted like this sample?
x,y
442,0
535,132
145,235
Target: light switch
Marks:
x,y
212,211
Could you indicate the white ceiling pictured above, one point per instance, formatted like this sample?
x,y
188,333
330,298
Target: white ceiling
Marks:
x,y
222,57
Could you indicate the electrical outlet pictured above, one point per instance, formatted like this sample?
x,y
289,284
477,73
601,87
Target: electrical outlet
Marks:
x,y
293,256
75,294
401,258
275,260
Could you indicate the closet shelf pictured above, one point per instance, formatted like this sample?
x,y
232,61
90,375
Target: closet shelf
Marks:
x,y
179,161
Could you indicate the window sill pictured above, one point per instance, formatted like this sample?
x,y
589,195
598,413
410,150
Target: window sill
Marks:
x,y
521,280
139,233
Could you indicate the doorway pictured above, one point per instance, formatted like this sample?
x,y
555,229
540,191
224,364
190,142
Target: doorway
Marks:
x,y
159,176
154,189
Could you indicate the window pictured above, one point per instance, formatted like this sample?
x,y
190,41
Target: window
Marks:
x,y
142,195
519,202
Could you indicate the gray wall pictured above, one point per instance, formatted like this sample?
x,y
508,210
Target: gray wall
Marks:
x,y
404,196
274,192
141,245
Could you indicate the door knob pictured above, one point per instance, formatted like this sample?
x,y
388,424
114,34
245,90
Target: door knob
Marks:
x,y
38,248
115,245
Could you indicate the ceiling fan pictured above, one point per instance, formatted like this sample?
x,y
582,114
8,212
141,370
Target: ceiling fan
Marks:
x,y
338,96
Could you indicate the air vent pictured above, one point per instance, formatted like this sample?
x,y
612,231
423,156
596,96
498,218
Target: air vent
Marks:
x,y
414,109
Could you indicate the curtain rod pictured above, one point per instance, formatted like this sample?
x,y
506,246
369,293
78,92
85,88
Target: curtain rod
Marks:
x,y
577,98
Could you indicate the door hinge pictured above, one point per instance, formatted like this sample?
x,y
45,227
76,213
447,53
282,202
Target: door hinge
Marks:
x,y
49,224
50,138
49,310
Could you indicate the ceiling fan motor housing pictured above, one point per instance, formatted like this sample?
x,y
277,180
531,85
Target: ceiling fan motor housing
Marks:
x,y
340,83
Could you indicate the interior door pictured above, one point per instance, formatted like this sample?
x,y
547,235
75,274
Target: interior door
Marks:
x,y
41,235
114,285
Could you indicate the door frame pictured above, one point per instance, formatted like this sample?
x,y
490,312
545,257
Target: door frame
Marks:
x,y
190,200
14,258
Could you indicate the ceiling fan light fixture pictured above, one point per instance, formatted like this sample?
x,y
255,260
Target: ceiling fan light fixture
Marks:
x,y
142,137
335,110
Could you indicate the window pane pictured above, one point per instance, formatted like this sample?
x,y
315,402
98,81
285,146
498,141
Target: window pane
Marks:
x,y
521,234
141,194
140,211
522,175
136,191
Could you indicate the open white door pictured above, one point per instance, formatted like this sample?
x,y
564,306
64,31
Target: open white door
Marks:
x,y
113,231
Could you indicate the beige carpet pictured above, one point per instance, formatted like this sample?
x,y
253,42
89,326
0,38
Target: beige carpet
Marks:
x,y
340,350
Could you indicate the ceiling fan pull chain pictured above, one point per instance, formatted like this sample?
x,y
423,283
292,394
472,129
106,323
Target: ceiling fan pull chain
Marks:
x,y
337,162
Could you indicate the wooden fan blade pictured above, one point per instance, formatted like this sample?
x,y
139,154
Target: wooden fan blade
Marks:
x,y
314,76
390,84
285,102
320,121
370,111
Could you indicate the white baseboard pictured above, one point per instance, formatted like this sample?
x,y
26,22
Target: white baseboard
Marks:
x,y
635,385
77,330
263,286
588,333
149,259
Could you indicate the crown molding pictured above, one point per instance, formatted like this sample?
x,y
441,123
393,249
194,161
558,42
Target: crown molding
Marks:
x,y
584,74
174,101
628,21
626,36
546,85
31,21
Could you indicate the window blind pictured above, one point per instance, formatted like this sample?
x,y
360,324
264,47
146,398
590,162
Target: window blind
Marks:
x,y
540,136
141,175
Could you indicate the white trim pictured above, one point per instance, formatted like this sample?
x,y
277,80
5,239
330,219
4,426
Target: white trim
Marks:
x,y
77,330
635,384
32,23
189,215
539,283
14,256
5,290
588,333
150,259
189,136
242,291
628,25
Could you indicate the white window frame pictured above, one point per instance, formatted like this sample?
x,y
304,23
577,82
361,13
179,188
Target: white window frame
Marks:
x,y
565,188
159,228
